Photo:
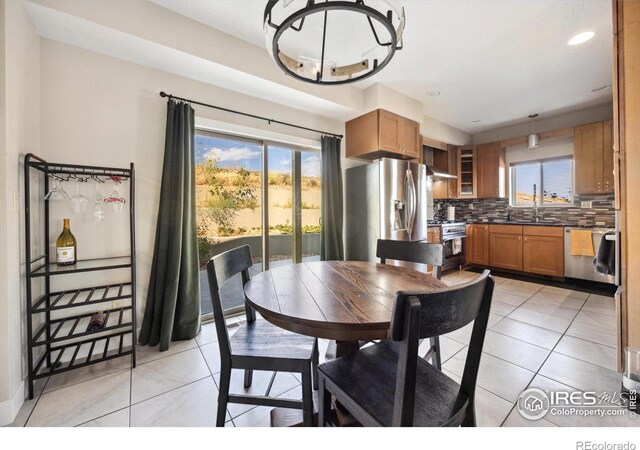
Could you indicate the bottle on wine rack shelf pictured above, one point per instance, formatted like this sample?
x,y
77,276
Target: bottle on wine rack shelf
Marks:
x,y
66,247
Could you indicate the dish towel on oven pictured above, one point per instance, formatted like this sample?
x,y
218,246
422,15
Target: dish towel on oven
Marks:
x,y
581,243
456,246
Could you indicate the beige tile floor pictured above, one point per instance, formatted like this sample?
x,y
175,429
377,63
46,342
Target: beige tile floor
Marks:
x,y
539,336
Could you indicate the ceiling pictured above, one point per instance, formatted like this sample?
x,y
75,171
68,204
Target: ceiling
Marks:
x,y
493,61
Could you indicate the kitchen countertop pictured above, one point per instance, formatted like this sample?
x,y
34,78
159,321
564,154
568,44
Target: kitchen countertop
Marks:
x,y
541,224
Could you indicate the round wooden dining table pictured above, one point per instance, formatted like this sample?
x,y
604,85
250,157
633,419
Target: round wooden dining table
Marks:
x,y
345,301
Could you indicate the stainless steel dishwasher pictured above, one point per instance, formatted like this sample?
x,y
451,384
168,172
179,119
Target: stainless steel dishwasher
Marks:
x,y
581,267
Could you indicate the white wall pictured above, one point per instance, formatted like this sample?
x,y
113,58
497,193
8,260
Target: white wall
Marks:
x,y
548,149
596,114
19,134
380,96
443,132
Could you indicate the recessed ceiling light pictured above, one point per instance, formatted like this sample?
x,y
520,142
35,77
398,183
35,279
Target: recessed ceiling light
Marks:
x,y
601,88
433,93
581,38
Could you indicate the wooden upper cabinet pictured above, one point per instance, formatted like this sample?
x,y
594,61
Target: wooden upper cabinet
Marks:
x,y
467,172
589,156
380,134
389,131
491,171
442,160
453,168
608,156
440,189
410,139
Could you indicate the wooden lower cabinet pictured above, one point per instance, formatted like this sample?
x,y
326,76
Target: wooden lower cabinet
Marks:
x,y
434,236
477,244
543,255
529,249
505,251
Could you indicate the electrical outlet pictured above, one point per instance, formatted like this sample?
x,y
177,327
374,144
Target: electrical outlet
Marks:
x,y
116,304
586,204
471,206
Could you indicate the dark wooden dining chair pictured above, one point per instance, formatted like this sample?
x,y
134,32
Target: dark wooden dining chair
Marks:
x,y
258,345
387,384
421,253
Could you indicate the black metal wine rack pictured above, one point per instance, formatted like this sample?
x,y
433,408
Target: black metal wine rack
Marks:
x,y
61,344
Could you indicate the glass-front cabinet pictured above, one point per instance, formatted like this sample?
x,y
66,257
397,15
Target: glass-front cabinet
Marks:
x,y
467,172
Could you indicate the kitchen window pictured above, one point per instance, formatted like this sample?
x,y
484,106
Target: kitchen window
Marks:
x,y
548,182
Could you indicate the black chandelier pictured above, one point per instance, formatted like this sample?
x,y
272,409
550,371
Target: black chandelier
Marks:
x,y
300,49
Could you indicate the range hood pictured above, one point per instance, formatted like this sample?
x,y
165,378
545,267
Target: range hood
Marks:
x,y
439,174
432,170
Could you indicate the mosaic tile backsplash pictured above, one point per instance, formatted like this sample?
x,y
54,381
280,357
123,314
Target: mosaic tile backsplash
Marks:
x,y
601,214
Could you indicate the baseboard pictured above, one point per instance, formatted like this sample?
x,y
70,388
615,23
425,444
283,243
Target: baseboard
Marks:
x,y
9,408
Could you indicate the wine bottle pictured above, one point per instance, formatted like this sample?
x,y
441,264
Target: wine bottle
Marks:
x,y
96,322
66,247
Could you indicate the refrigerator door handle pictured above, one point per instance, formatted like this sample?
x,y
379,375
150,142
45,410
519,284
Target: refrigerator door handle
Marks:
x,y
411,194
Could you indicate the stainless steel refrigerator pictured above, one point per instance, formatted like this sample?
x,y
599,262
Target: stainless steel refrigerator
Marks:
x,y
386,199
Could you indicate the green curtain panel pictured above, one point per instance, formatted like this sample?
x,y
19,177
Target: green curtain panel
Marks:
x,y
173,300
331,245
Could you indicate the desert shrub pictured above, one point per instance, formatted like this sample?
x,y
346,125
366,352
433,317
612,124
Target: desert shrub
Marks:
x,y
288,228
312,229
224,201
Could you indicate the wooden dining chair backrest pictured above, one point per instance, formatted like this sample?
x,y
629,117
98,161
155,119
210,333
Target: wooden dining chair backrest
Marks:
x,y
419,315
415,252
220,269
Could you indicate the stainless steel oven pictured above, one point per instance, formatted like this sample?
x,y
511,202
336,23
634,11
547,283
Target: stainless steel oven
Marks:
x,y
453,240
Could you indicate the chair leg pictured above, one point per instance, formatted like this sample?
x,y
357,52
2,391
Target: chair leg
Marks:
x,y
435,343
314,364
223,395
324,404
470,417
307,398
248,378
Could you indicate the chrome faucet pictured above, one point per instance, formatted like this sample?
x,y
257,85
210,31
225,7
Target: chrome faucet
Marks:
x,y
536,215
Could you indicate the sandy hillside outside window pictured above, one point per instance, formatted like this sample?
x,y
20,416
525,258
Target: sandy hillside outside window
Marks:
x,y
550,179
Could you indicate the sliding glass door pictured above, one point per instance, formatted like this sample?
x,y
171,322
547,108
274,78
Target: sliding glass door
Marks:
x,y
262,194
310,165
281,211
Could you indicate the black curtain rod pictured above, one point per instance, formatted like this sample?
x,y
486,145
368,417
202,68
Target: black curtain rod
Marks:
x,y
220,108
